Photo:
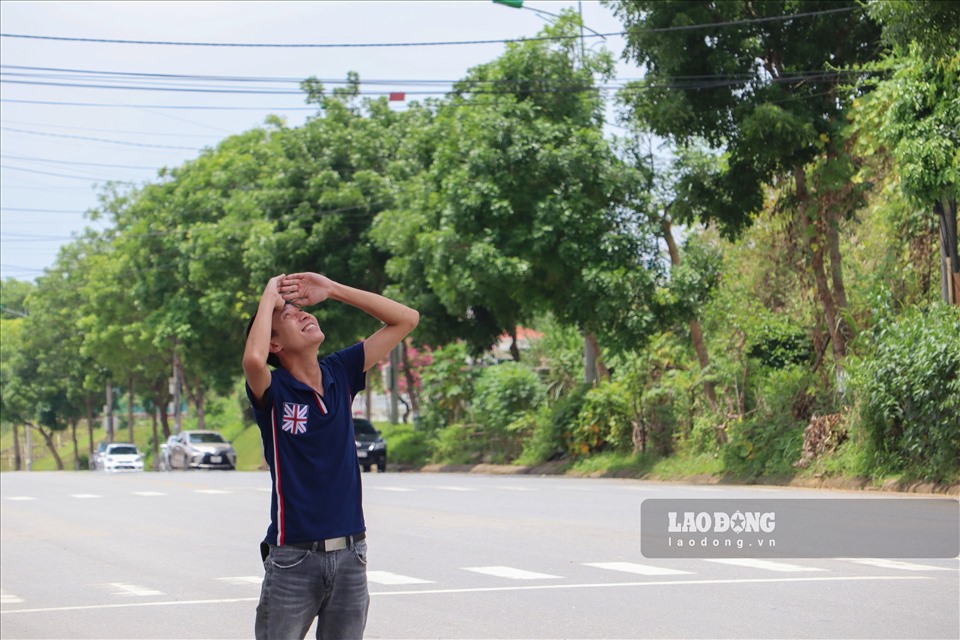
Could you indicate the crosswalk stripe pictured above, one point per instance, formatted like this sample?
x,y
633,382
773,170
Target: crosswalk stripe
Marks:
x,y
242,580
511,573
641,569
883,563
133,590
756,563
387,578
9,598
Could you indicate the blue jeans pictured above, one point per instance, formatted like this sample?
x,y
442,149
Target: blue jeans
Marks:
x,y
300,585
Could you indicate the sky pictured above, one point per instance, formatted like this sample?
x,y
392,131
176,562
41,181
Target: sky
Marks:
x,y
56,158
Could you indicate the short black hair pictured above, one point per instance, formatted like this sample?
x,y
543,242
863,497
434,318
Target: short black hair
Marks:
x,y
272,358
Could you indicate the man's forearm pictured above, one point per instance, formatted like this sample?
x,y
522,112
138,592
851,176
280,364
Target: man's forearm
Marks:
x,y
387,311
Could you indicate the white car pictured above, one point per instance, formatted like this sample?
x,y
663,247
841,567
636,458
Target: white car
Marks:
x,y
121,456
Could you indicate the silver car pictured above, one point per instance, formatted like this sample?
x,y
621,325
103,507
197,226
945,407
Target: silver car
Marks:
x,y
200,450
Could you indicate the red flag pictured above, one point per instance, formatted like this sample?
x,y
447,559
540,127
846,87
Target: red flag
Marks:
x,y
397,96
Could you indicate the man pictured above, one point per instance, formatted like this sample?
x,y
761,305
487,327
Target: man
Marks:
x,y
314,552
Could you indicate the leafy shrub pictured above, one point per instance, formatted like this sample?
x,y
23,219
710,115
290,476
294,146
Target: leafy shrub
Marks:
x,y
605,421
406,445
770,440
777,343
457,444
502,394
447,386
908,390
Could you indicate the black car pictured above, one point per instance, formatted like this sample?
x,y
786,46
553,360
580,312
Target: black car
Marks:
x,y
371,447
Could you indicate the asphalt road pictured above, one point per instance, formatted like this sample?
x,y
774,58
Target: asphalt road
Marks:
x,y
152,555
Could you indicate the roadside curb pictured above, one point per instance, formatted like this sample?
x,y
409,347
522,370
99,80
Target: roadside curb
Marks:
x,y
839,483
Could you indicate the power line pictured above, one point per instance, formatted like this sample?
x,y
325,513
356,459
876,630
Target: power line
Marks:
x,y
298,45
77,162
62,175
89,139
344,45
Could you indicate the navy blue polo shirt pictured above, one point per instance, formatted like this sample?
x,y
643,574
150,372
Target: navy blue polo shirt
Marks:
x,y
309,445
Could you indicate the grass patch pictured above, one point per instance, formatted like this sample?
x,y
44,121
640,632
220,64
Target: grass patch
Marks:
x,y
673,467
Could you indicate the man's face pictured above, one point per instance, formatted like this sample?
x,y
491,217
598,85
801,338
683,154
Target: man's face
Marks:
x,y
295,330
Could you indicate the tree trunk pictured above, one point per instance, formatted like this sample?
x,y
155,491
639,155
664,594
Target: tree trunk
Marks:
x,y
161,402
946,211
130,407
601,372
696,331
76,445
813,234
90,418
48,438
411,383
156,444
17,460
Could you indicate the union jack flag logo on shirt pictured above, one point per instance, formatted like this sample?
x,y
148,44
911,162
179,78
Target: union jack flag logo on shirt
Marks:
x,y
295,417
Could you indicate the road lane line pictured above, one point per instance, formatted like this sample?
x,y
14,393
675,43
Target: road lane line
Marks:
x,y
452,488
399,489
148,493
511,573
883,563
641,569
387,578
21,498
84,496
540,587
211,491
767,565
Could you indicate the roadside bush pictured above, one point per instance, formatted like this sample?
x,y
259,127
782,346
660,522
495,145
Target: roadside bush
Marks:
x,y
447,387
457,444
406,445
502,394
908,393
605,421
548,431
770,440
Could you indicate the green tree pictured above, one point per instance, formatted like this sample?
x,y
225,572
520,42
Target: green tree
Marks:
x,y
761,82
914,113
519,211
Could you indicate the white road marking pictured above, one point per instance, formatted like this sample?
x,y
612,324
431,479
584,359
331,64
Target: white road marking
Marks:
x,y
515,488
20,498
393,489
456,488
756,563
148,493
642,569
133,590
85,496
387,578
511,573
242,580
8,598
540,587
211,491
883,563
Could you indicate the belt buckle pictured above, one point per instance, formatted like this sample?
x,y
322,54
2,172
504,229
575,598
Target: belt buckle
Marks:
x,y
335,544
